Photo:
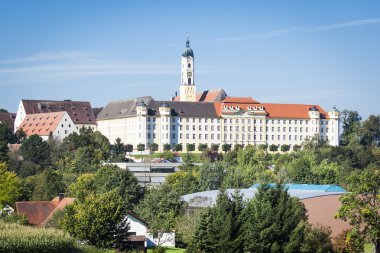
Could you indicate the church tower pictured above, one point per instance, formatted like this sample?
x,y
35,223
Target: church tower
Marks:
x,y
187,90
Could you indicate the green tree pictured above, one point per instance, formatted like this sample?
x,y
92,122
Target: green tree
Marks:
x,y
190,147
98,220
46,185
226,147
20,136
3,110
10,186
141,147
361,207
129,148
36,150
296,147
273,148
118,151
153,147
178,147
370,131
285,148
160,208
202,147
3,151
6,134
166,147
350,122
270,219
214,147
263,146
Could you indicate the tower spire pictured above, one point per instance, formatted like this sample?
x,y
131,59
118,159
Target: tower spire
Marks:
x,y
187,40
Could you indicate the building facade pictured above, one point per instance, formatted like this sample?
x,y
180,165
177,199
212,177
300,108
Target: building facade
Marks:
x,y
211,117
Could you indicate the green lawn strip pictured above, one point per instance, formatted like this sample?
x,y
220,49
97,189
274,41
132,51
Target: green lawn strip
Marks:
x,y
170,250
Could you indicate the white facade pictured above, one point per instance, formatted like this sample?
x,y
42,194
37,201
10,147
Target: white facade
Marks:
x,y
241,121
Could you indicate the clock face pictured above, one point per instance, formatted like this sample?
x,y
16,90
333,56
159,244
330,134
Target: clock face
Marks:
x,y
188,74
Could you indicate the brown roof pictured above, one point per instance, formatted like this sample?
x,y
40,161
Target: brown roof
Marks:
x,y
136,238
41,123
8,118
321,211
39,212
79,111
240,100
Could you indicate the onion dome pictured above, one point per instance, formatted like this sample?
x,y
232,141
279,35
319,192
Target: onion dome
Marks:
x,y
187,51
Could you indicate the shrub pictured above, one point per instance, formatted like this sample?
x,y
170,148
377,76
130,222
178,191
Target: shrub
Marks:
x,y
263,146
15,238
285,148
273,148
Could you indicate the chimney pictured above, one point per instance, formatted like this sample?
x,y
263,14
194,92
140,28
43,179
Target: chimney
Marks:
x,y
60,196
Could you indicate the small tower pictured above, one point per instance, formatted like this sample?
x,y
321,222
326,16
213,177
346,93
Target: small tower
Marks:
x,y
187,88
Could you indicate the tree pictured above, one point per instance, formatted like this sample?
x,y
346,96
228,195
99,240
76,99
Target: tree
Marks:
x,y
20,136
160,208
141,147
238,146
36,150
263,146
153,147
350,123
285,148
214,147
218,229
3,151
190,147
118,151
47,185
370,131
3,110
98,220
362,205
10,186
129,148
296,147
178,147
270,219
202,147
226,147
166,147
6,134
273,148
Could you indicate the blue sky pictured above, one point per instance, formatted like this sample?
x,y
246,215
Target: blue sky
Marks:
x,y
319,52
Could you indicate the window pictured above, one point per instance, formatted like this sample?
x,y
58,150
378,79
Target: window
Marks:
x,y
230,128
284,121
301,129
249,137
237,121
180,136
187,136
278,137
200,136
284,129
261,129
154,135
295,137
327,130
272,129
243,137
307,129
65,131
193,127
212,136
167,127
154,119
187,127
225,128
249,121
225,136
290,137
249,129
148,135
206,136
206,128
212,128
218,136
242,121
295,129
290,129
272,137
187,120
173,127
225,120
261,137
290,121
69,125
61,125
193,136
301,137
237,137
284,137
218,128
237,128
243,128
173,136
200,128
321,129
167,135
278,129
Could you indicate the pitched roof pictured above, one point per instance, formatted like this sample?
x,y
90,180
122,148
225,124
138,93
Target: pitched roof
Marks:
x,y
39,212
127,108
309,187
8,118
292,111
240,100
79,111
41,123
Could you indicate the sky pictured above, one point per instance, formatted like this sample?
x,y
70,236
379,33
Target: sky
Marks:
x,y
322,52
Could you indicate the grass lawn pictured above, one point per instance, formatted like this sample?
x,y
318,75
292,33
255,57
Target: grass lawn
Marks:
x,y
170,250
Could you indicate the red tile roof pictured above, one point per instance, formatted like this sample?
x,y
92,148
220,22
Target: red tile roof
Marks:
x,y
39,212
292,111
41,123
79,111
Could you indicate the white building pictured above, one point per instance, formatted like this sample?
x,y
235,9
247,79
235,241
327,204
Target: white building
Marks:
x,y
59,124
211,117
80,112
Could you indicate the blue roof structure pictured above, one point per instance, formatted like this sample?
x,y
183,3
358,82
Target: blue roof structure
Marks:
x,y
309,187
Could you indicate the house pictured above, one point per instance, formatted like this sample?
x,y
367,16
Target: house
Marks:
x,y
80,112
40,212
59,124
141,237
